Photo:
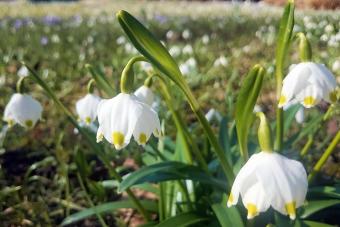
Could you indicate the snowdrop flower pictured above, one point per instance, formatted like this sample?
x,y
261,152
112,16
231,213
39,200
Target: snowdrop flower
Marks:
x,y
123,116
270,179
23,71
175,51
22,109
187,49
86,108
205,39
186,34
223,61
336,65
170,35
308,83
145,95
213,114
300,115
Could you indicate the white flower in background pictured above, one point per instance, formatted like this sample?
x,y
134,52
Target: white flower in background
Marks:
x,y
22,109
308,83
213,114
120,40
129,48
187,49
184,68
146,66
300,115
205,39
270,179
145,95
55,38
23,71
175,51
123,116
86,108
257,108
221,61
170,35
336,65
186,34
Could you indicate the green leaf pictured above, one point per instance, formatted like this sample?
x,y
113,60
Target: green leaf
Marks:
x,y
317,205
181,220
290,116
245,103
106,207
149,46
101,82
285,34
315,224
169,170
324,192
227,216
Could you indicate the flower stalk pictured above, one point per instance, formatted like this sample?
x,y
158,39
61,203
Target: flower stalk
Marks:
x,y
90,140
305,49
324,157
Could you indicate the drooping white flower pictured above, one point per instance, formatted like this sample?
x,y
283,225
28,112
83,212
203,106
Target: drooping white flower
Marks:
x,y
123,116
270,179
23,71
22,109
86,108
308,83
145,94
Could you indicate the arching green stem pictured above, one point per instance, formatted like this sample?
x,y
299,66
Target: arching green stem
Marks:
x,y
20,86
90,86
127,78
264,134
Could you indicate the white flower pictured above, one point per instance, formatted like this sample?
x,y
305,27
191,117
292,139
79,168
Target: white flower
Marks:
x,y
123,116
300,115
308,83
270,179
186,34
86,108
221,61
22,109
175,51
23,71
144,94
187,49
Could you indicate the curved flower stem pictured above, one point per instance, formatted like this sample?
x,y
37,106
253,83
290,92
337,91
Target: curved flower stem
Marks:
x,y
324,157
90,140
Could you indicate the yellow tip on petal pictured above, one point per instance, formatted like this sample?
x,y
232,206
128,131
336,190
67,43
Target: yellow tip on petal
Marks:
x,y
309,101
252,210
10,123
332,96
29,123
88,120
290,207
118,139
100,137
282,100
230,200
142,138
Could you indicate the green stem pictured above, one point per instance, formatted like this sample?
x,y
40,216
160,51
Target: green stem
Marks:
x,y
305,49
90,86
324,157
180,125
307,146
90,140
228,171
20,86
127,78
100,218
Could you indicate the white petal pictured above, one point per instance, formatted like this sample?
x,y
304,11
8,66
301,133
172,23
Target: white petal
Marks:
x,y
255,200
24,110
244,179
144,94
309,96
86,108
147,123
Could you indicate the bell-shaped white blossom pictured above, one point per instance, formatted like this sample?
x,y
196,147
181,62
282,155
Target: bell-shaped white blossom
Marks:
x,y
123,116
145,94
308,83
22,109
86,108
23,71
270,179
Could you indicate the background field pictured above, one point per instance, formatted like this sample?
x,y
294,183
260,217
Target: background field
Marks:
x,y
215,44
